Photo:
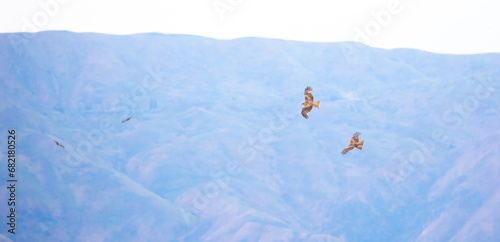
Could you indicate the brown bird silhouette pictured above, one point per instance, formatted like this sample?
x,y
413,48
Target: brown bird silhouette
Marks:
x,y
354,143
57,143
309,102
126,120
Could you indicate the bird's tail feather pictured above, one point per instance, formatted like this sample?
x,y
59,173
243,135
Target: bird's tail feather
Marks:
x,y
360,145
316,104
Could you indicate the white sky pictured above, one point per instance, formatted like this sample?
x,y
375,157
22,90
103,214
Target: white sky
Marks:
x,y
442,26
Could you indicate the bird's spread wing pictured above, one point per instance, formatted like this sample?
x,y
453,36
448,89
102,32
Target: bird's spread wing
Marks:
x,y
305,110
355,136
354,139
347,149
308,95
308,90
57,143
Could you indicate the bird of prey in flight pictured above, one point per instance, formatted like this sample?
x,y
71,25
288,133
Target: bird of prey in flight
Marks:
x,y
309,102
57,143
126,120
354,144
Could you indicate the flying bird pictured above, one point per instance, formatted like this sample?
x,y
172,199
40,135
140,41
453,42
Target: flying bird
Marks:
x,y
57,143
309,102
126,120
354,143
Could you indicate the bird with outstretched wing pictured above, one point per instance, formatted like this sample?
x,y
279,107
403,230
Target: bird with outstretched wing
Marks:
x,y
60,145
309,102
126,120
354,143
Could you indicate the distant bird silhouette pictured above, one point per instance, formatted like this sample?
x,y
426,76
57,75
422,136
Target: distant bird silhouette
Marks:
x,y
354,143
126,120
309,102
57,143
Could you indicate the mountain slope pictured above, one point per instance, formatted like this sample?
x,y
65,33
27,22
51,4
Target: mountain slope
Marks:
x,y
216,148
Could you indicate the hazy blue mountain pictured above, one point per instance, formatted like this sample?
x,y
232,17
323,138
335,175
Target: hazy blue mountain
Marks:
x,y
216,149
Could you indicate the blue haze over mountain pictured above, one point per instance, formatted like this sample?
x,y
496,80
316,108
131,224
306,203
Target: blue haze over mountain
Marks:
x,y
216,149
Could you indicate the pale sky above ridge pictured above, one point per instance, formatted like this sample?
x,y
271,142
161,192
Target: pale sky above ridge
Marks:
x,y
457,27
